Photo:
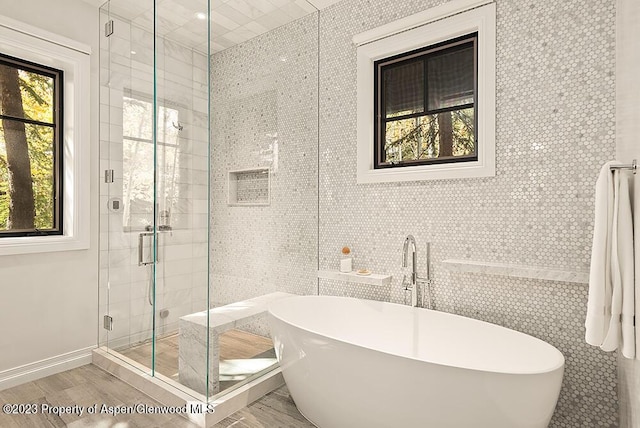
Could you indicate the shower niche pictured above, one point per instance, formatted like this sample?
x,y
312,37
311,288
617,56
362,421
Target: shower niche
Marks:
x,y
249,187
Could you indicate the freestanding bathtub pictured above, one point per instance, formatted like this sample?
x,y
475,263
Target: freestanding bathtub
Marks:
x,y
352,363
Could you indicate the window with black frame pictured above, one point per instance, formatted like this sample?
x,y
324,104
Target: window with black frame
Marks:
x,y
30,155
425,105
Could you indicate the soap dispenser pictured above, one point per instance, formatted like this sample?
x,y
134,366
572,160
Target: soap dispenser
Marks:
x,y
346,260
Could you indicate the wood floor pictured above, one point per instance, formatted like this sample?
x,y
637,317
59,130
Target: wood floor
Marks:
x,y
84,386
234,344
274,410
89,385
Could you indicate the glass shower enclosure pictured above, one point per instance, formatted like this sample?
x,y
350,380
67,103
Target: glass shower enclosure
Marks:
x,y
208,204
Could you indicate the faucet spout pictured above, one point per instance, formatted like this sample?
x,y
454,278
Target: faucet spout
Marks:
x,y
405,248
410,240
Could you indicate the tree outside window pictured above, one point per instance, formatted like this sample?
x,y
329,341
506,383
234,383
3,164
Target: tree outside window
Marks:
x,y
30,162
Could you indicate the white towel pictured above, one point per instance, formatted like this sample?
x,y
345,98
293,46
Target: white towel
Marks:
x,y
626,266
611,306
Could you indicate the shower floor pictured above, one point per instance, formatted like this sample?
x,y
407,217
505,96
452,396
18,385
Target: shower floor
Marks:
x,y
235,345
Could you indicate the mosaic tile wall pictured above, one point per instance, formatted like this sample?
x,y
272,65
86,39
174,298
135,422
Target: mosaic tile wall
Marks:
x,y
265,114
629,385
555,127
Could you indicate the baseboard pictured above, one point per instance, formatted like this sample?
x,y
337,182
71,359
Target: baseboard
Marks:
x,y
43,368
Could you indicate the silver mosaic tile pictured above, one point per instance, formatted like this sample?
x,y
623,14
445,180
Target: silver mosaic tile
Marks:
x,y
265,115
554,128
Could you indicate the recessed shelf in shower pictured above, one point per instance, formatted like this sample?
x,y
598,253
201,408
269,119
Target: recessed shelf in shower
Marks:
x,y
249,187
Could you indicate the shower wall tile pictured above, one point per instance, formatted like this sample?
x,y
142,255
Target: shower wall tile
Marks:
x,y
264,114
554,129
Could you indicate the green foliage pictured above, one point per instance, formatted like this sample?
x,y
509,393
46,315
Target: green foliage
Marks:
x,y
37,99
4,186
419,138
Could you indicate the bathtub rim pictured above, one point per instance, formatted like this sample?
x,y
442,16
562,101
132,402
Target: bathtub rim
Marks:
x,y
554,368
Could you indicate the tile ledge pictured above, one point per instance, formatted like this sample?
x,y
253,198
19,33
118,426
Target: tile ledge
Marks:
x,y
373,279
516,271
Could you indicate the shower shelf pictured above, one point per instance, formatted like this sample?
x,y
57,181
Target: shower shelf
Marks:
x,y
249,187
372,279
516,271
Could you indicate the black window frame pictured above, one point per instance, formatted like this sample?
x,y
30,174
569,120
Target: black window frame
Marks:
x,y
58,138
420,54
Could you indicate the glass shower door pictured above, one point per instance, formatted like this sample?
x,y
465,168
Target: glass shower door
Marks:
x,y
128,209
155,142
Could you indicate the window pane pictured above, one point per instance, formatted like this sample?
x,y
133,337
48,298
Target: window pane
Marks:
x,y
138,181
410,139
5,198
138,158
40,145
168,125
463,140
404,89
36,91
438,136
137,121
37,96
451,78
137,118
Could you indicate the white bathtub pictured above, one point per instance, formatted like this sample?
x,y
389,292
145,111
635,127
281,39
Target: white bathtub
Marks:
x,y
362,364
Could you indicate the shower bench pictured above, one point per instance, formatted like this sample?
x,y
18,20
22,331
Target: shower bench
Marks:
x,y
192,339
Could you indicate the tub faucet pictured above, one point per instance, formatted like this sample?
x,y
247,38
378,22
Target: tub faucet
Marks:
x,y
417,299
410,240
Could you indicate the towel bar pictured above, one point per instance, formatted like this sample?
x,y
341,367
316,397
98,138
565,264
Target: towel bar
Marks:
x,y
633,166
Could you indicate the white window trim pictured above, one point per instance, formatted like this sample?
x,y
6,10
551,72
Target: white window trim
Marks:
x,y
439,24
42,47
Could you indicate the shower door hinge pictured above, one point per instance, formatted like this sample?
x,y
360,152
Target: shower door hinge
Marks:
x,y
108,176
108,323
108,28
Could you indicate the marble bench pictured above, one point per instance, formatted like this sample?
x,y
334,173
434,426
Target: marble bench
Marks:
x,y
192,339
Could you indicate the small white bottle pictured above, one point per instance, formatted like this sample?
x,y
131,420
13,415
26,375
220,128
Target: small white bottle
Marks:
x,y
346,261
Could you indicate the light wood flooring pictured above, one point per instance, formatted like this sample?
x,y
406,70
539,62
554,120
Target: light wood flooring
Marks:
x,y
234,344
274,410
89,385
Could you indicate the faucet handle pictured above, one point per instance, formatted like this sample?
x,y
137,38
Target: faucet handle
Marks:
x,y
406,284
423,279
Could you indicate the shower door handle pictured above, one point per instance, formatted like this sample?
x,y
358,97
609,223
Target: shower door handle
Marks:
x,y
141,261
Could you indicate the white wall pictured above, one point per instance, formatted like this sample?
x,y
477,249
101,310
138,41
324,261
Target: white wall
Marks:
x,y
628,148
48,301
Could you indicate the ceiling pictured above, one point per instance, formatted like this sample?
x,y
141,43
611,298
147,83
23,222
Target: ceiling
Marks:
x,y
232,21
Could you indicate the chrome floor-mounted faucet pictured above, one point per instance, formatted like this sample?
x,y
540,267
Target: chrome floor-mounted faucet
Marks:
x,y
417,296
